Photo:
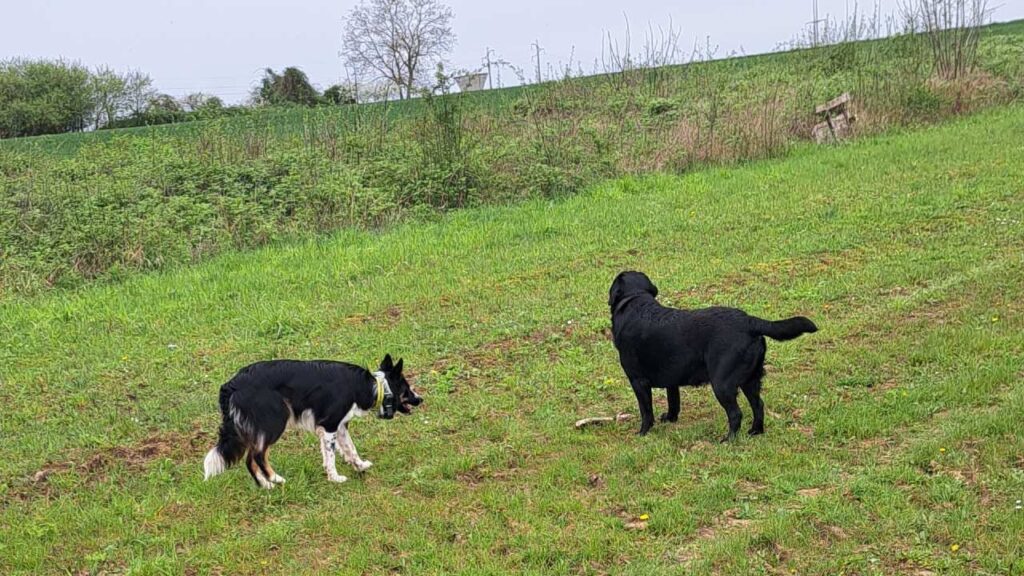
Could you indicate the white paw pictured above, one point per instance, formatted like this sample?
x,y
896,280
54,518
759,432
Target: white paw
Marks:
x,y
277,479
337,478
266,485
363,465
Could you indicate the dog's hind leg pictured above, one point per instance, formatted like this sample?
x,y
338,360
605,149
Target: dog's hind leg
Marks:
x,y
752,390
725,392
254,469
328,445
673,405
263,461
348,450
642,389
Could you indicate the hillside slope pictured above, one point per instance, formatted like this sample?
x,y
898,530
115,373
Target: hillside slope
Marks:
x,y
148,200
892,445
290,121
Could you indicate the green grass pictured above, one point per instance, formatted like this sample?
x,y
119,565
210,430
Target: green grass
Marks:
x,y
892,434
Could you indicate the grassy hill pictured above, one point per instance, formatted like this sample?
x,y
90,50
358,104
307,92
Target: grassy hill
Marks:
x,y
291,121
80,208
892,444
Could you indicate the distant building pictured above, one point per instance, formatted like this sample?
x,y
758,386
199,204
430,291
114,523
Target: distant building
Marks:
x,y
471,82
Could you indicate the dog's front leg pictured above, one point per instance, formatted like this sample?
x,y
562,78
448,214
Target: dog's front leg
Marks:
x,y
348,450
642,389
328,444
673,405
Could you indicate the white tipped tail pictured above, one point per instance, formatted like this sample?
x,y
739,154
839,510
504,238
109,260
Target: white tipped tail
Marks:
x,y
213,464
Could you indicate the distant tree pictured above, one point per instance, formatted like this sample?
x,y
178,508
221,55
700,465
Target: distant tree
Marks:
x,y
339,95
138,92
109,92
43,97
213,103
398,41
163,103
199,101
291,86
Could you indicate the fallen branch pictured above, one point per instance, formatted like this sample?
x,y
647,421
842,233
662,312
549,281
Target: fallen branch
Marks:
x,y
580,424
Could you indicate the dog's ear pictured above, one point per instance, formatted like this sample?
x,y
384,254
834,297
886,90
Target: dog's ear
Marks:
x,y
398,366
654,289
615,293
387,364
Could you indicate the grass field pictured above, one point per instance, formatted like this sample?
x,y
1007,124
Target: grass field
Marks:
x,y
893,440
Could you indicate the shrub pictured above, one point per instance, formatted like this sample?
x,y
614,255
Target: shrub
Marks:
x,y
660,106
921,103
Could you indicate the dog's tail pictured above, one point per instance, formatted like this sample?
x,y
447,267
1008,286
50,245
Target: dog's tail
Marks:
x,y
229,448
782,329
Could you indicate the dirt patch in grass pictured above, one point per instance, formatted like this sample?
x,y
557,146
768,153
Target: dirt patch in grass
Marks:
x,y
93,467
809,492
747,488
727,522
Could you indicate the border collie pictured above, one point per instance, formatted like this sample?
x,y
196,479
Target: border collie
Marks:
x,y
663,347
321,396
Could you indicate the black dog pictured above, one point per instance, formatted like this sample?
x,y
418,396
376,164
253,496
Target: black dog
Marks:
x,y
320,396
663,347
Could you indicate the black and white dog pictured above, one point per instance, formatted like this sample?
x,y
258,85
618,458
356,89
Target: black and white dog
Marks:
x,y
663,347
320,396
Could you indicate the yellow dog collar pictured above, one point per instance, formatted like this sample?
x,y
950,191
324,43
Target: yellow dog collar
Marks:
x,y
382,383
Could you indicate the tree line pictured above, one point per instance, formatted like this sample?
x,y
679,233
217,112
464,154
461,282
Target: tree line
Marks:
x,y
391,48
40,96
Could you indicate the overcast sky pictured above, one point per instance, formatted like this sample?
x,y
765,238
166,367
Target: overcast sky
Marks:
x,y
221,46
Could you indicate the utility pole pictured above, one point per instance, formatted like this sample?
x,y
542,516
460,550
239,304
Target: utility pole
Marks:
x,y
815,23
490,80
536,46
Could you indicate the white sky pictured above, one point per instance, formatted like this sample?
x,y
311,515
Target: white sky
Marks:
x,y
221,46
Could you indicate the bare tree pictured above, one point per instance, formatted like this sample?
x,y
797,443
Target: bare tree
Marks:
x,y
398,41
953,28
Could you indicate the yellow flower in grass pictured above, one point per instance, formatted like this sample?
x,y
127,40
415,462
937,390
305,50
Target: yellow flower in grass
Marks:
x,y
954,547
645,517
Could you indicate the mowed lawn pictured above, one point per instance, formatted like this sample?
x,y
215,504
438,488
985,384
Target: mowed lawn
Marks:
x,y
894,437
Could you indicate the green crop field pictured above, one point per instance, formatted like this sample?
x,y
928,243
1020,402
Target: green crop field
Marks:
x,y
893,440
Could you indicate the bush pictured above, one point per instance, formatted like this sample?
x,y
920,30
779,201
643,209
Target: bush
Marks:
x,y
922,103
660,106
43,97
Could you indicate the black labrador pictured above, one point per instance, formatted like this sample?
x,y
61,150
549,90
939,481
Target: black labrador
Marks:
x,y
662,347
